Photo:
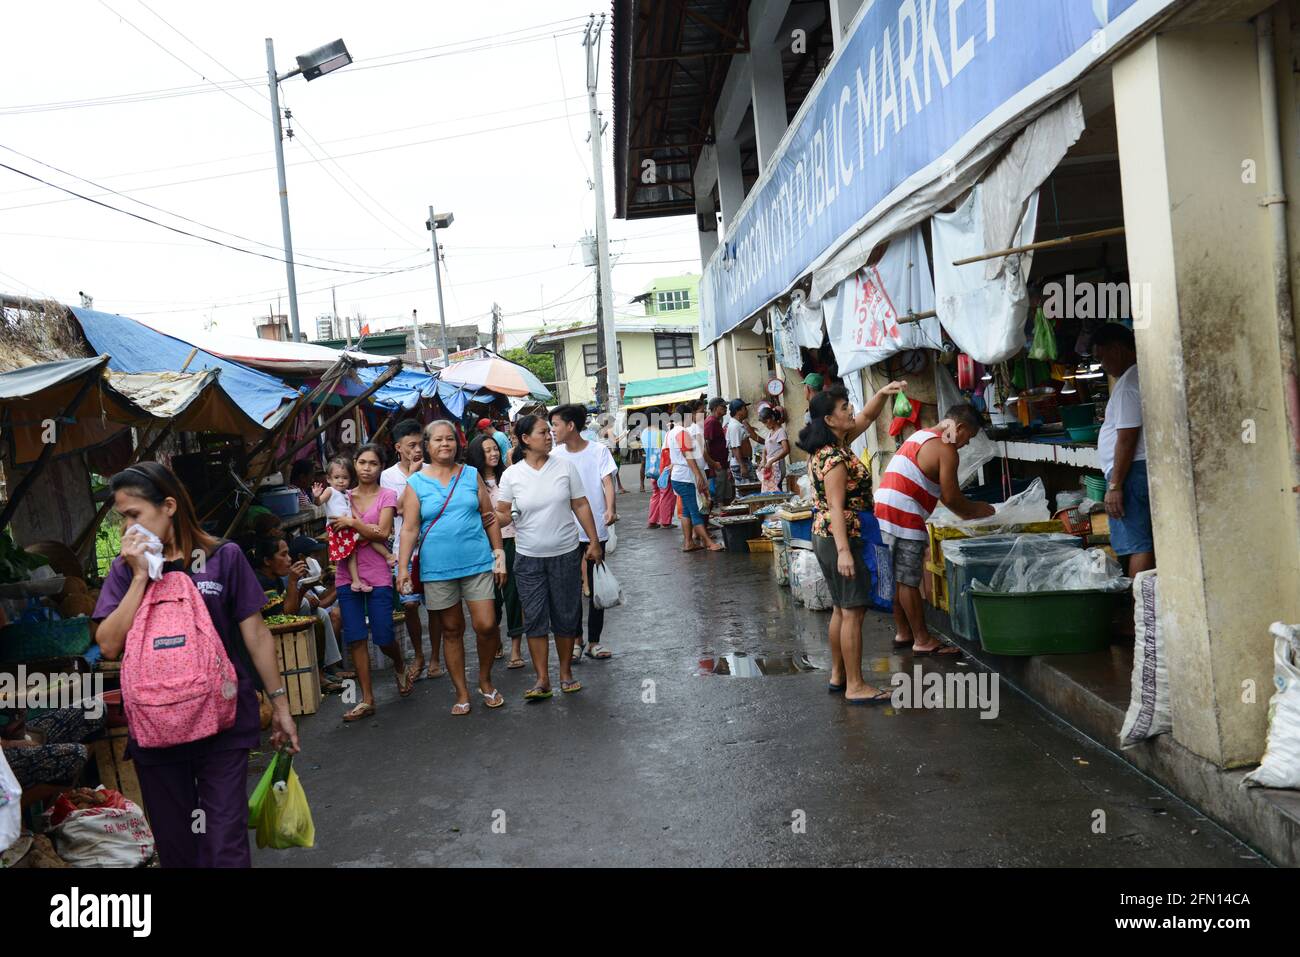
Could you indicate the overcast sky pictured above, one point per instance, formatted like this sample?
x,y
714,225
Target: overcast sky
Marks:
x,y
473,123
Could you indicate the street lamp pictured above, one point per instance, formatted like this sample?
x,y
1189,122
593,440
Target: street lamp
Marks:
x,y
435,222
318,62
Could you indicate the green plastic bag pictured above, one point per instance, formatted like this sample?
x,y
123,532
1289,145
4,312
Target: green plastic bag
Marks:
x,y
902,406
278,808
1044,347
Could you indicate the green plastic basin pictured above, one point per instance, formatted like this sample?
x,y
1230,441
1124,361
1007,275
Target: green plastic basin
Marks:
x,y
1044,622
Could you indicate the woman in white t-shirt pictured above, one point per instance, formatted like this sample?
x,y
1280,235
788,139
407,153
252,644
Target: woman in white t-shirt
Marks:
x,y
688,480
776,449
541,495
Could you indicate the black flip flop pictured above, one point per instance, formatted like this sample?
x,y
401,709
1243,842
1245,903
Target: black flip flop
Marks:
x,y
901,645
875,699
835,689
941,651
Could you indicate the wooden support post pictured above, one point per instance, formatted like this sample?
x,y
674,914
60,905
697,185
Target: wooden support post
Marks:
x,y
1045,244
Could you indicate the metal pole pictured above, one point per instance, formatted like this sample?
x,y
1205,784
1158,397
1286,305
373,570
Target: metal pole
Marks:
x,y
610,335
284,190
437,275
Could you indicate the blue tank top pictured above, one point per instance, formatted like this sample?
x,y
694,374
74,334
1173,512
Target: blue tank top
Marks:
x,y
457,545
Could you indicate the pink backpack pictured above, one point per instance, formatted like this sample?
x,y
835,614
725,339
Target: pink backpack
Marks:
x,y
178,684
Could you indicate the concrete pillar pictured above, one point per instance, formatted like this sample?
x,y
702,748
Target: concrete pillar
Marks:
x,y
731,183
703,180
1200,254
767,83
842,14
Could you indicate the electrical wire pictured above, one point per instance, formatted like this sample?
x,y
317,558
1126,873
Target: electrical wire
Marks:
x,y
263,169
177,229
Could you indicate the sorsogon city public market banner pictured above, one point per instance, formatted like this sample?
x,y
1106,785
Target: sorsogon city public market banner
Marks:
x,y
918,85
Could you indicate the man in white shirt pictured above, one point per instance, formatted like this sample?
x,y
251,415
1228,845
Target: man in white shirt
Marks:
x,y
739,434
1122,448
407,443
596,466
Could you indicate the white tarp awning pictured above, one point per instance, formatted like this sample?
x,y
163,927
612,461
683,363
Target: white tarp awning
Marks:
x,y
271,355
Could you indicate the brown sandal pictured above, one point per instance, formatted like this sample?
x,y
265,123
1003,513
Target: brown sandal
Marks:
x,y
362,710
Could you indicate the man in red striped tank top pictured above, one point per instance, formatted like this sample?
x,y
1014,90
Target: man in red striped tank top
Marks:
x,y
922,473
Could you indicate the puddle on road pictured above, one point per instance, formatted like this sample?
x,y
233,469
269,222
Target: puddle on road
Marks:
x,y
741,665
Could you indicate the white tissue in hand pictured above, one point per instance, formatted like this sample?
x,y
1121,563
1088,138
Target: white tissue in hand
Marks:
x,y
153,550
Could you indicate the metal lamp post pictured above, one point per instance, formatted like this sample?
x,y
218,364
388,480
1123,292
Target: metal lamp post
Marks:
x,y
311,65
436,222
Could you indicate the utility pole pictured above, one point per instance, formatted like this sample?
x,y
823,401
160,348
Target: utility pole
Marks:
x,y
606,335
334,304
273,80
416,344
496,328
602,353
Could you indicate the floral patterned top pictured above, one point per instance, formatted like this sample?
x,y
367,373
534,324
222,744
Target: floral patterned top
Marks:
x,y
857,489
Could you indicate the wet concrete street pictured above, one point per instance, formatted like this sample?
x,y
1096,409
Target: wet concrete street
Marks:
x,y
721,770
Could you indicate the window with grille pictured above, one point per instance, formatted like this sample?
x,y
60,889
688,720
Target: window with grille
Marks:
x,y
589,358
671,300
674,352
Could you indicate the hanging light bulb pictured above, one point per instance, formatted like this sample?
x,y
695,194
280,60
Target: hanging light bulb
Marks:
x,y
987,376
1069,387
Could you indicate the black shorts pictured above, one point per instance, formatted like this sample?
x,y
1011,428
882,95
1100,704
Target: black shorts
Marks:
x,y
852,592
550,591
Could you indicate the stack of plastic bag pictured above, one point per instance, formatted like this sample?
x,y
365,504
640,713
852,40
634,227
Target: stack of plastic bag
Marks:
x,y
1035,565
1028,507
1280,766
807,583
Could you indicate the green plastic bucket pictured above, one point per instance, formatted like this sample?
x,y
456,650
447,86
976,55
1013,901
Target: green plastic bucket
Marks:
x,y
1078,416
1044,622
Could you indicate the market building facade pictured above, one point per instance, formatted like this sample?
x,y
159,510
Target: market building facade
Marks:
x,y
1159,137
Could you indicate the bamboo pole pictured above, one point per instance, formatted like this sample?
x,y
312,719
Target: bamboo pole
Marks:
x,y
1045,244
272,463
29,477
144,451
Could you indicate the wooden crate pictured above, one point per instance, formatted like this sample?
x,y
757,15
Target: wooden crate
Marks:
x,y
295,649
116,771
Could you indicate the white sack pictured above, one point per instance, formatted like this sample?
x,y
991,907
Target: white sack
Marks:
x,y
1280,766
1148,710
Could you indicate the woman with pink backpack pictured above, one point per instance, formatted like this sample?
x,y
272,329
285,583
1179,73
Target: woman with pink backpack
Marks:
x,y
184,611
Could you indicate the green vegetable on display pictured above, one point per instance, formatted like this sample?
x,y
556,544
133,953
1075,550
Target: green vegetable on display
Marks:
x,y
16,564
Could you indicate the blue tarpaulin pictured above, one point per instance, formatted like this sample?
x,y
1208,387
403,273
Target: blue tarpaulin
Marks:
x,y
135,347
406,388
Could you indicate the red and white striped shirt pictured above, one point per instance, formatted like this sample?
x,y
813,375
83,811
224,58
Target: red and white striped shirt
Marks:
x,y
907,495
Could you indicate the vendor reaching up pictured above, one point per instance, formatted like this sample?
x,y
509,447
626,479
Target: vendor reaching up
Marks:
x,y
920,475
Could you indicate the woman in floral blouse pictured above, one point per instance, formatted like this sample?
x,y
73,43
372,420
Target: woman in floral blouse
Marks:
x,y
841,486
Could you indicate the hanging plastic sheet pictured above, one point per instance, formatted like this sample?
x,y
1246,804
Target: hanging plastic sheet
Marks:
x,y
986,318
784,337
807,318
862,315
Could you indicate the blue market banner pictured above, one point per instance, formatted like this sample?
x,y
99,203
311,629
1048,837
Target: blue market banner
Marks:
x,y
917,86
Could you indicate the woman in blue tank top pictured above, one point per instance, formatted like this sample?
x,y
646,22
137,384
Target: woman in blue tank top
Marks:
x,y
445,509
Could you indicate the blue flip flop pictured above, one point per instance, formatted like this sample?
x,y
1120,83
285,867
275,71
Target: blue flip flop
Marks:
x,y
874,699
835,689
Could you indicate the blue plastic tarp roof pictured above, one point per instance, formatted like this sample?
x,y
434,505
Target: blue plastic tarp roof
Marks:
x,y
135,347
406,389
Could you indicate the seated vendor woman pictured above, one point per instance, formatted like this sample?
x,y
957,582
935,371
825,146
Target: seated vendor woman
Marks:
x,y
279,575
45,752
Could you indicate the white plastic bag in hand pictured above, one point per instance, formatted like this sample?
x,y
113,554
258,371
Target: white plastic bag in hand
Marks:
x,y
606,592
612,542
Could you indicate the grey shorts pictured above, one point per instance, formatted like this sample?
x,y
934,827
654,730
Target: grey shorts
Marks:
x,y
852,592
908,558
550,591
445,594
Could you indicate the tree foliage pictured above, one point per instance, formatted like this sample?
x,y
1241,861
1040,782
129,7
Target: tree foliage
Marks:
x,y
541,365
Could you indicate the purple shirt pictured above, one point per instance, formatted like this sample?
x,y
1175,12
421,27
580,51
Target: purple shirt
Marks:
x,y
231,593
371,567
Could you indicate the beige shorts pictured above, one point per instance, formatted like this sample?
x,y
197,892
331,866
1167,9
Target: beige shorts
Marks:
x,y
444,594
